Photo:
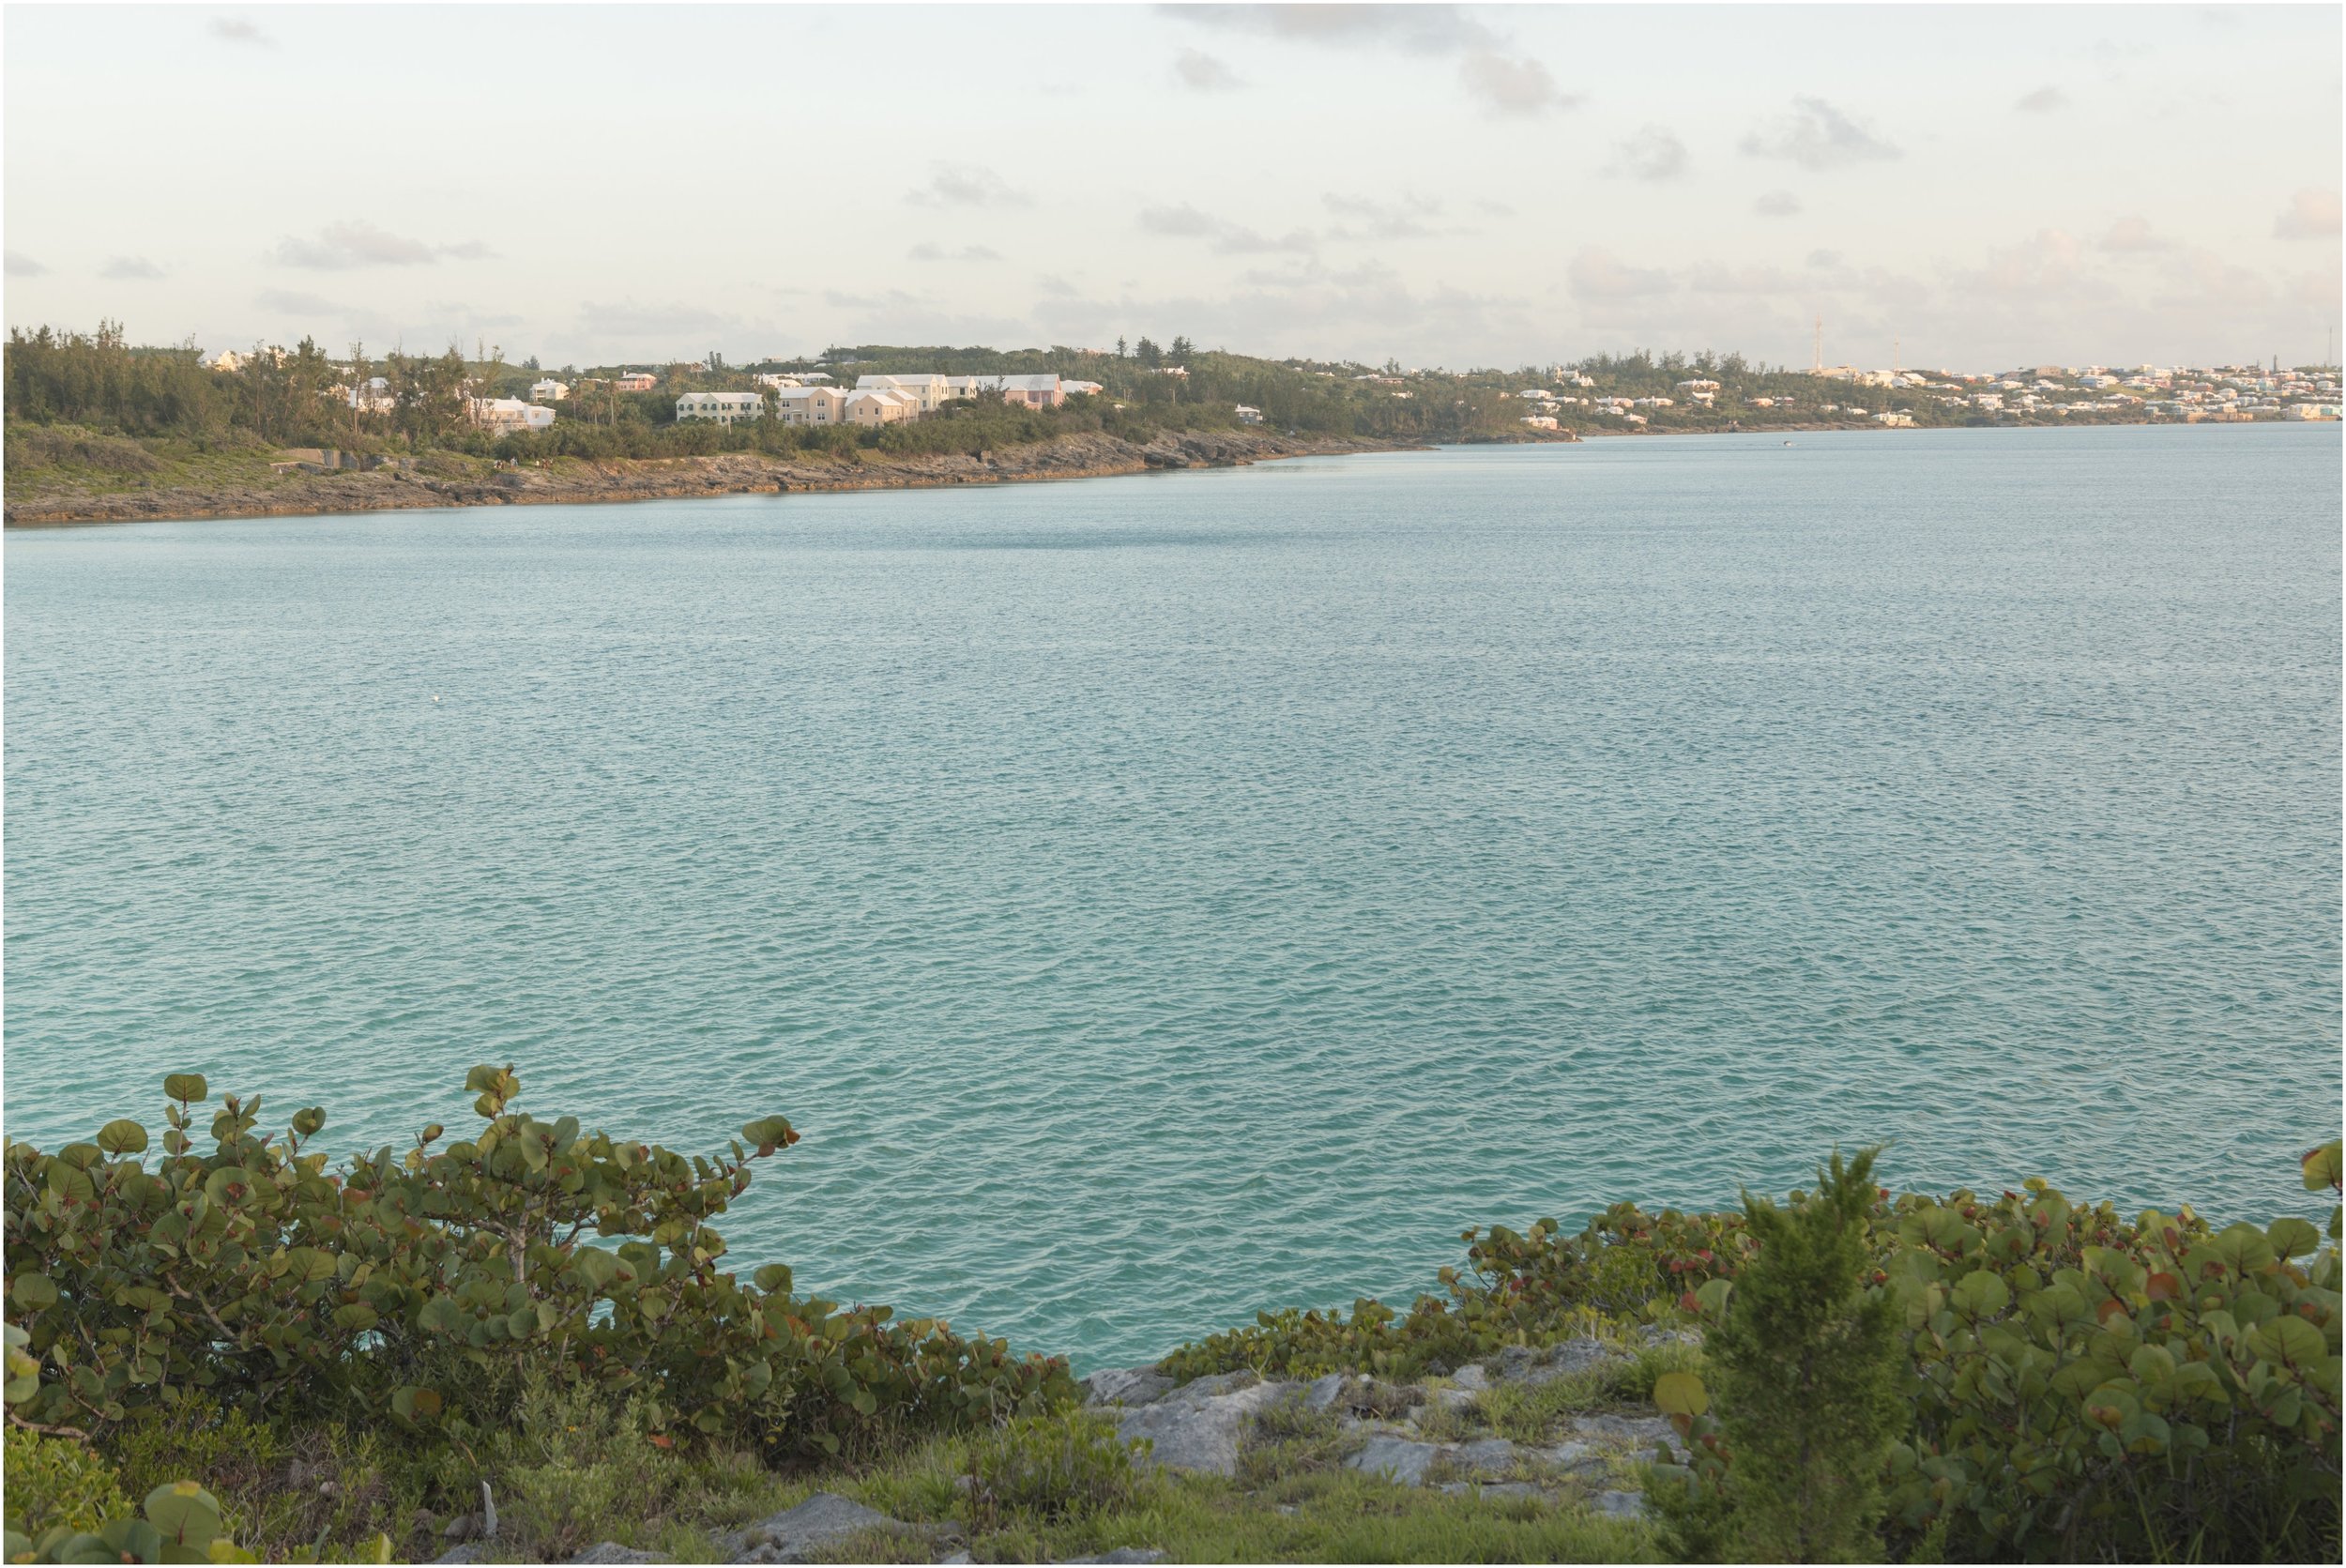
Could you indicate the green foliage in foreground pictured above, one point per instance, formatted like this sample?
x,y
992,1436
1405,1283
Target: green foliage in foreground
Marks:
x,y
2071,1383
425,1290
1807,1365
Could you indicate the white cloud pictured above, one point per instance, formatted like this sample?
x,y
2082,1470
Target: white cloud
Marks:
x,y
1817,136
1406,216
340,247
929,251
126,268
1512,88
1597,273
1777,203
2044,100
1202,72
2311,214
966,184
1227,239
232,29
1654,154
21,266
2132,235
629,319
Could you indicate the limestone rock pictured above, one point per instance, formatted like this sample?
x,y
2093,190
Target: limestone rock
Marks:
x,y
1489,1489
1400,1459
801,1535
1197,1426
1324,1393
1125,1554
1625,1431
1129,1386
1470,1377
1620,1505
611,1551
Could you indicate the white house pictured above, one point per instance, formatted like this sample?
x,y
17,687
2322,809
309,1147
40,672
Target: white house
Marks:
x,y
1540,421
1249,416
724,408
548,391
372,397
226,359
507,416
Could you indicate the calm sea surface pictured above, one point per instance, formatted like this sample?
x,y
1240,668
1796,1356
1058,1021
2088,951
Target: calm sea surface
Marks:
x,y
1160,898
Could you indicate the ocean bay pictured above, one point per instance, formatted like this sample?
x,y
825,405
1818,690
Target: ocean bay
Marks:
x,y
1160,899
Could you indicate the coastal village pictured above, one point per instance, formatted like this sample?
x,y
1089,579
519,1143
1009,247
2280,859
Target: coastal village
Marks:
x,y
1626,395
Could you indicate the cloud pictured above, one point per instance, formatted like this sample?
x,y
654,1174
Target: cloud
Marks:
x,y
340,247
128,268
231,29
1777,203
1711,278
2044,100
2132,235
291,303
966,184
1203,73
1402,219
1654,154
1598,274
1225,237
1817,136
1507,86
630,319
1429,29
1489,72
2038,268
1824,261
929,251
2311,215
18,265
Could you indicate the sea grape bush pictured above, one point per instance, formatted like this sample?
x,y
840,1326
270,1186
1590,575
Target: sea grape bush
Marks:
x,y
423,1287
2078,1382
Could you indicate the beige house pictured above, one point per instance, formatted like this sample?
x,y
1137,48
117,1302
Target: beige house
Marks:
x,y
874,406
810,405
508,416
926,392
635,381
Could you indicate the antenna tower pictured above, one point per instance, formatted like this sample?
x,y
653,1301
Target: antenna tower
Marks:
x,y
1818,367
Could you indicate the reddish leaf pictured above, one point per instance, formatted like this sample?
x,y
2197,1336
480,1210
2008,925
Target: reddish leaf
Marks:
x,y
2164,1288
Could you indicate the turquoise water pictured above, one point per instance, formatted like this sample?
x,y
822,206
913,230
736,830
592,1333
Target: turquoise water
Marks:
x,y
1160,898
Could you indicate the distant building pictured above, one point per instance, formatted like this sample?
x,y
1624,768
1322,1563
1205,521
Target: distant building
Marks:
x,y
508,416
722,409
926,392
1892,416
635,381
810,405
1081,388
1540,421
227,361
371,397
879,405
1034,391
1247,416
548,391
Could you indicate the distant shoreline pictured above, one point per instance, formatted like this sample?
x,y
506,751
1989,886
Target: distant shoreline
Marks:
x,y
585,482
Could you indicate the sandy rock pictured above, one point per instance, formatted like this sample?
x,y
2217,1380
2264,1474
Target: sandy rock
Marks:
x,y
801,1535
1520,1364
1486,1456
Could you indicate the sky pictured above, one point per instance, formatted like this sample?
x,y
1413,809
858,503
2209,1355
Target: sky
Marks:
x,y
1973,187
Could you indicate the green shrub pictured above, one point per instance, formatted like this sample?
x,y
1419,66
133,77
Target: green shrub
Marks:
x,y
1808,1370
55,1481
572,1461
1047,1470
422,1291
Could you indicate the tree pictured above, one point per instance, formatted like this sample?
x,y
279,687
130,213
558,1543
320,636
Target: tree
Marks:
x,y
1147,355
1806,1367
1120,347
1179,354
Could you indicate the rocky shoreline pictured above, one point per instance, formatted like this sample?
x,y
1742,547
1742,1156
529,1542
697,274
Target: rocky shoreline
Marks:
x,y
577,482
1432,1436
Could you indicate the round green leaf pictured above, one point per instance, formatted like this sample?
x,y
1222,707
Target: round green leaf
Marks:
x,y
33,1291
1681,1394
122,1137
2291,1238
185,1513
187,1086
1982,1293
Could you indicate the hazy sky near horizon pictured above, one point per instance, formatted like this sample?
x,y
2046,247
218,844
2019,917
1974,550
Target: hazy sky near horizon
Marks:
x,y
1982,186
